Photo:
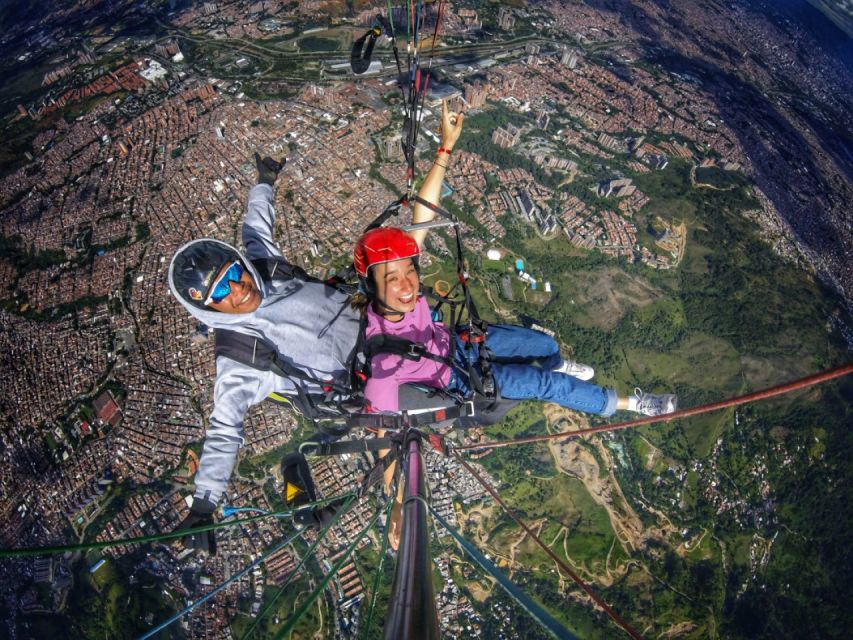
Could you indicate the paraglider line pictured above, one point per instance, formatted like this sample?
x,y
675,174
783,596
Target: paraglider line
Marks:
x,y
345,556
321,536
378,575
152,632
37,551
577,579
770,392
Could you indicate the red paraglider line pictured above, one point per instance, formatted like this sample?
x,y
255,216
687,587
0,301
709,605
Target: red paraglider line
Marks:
x,y
771,392
578,580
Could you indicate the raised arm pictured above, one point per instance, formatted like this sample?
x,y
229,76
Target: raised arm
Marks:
x,y
260,213
451,128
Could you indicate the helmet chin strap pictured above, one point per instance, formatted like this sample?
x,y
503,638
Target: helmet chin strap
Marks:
x,y
389,310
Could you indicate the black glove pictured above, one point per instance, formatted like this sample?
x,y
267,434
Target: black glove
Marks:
x,y
200,514
268,169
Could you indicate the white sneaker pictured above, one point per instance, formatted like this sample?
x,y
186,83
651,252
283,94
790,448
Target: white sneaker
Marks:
x,y
575,369
651,404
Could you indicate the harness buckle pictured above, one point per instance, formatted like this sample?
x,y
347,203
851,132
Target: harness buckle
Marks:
x,y
415,351
488,386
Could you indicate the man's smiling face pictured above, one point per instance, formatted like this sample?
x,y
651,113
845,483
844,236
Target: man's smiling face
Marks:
x,y
243,296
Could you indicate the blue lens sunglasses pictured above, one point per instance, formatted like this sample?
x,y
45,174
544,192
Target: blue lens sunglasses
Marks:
x,y
222,287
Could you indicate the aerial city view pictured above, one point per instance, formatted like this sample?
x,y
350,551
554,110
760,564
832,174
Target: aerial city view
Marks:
x,y
620,405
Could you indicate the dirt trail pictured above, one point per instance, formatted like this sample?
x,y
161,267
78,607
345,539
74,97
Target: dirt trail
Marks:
x,y
503,312
678,630
575,460
476,516
536,525
654,454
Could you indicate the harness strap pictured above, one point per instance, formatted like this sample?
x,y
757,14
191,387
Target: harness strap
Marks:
x,y
340,447
377,472
406,419
259,354
408,349
277,268
264,356
483,384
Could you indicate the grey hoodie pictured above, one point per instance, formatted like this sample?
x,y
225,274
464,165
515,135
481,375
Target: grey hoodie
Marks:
x,y
311,324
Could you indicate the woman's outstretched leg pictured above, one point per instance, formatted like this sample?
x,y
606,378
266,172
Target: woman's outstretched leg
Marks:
x,y
511,344
525,382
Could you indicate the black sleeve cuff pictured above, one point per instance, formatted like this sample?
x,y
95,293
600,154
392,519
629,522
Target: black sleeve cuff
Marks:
x,y
202,506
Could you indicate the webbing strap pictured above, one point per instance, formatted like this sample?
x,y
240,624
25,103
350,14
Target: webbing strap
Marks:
x,y
440,300
405,419
345,446
392,209
477,326
293,620
377,472
263,357
408,349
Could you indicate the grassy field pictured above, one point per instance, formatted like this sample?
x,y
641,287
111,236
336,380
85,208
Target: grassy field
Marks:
x,y
732,318
314,43
603,296
315,620
568,509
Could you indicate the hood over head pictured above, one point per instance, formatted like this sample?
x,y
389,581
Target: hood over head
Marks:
x,y
191,273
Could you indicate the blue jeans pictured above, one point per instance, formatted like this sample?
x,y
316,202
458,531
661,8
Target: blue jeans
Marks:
x,y
521,365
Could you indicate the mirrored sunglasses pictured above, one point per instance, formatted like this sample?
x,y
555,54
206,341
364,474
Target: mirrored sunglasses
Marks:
x,y
222,287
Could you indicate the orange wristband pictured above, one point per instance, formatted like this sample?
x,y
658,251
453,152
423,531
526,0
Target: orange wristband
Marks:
x,y
442,149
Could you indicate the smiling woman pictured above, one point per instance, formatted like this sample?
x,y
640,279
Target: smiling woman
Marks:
x,y
386,261
397,284
523,364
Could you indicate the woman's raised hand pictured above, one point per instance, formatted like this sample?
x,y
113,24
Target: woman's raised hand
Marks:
x,y
451,126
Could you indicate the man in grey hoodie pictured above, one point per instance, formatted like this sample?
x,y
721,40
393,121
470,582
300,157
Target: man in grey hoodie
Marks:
x,y
310,323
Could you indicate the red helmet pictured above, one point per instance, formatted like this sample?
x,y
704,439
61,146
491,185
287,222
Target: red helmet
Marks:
x,y
384,244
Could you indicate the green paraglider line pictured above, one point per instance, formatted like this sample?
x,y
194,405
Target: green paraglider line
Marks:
x,y
378,575
42,551
321,535
295,618
152,632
